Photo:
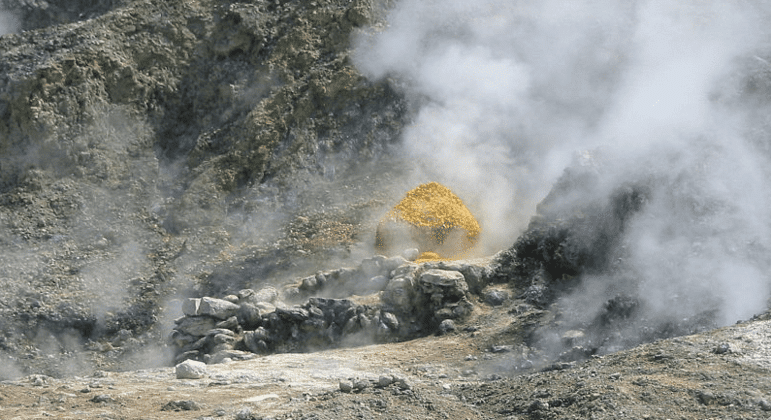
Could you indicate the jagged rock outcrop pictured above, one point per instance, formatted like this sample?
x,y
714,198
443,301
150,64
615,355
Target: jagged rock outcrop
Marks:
x,y
381,300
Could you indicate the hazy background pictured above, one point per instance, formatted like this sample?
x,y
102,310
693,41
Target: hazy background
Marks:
x,y
509,92
8,22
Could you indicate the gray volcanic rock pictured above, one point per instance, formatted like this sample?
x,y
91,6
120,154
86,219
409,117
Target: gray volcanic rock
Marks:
x,y
444,278
217,308
190,369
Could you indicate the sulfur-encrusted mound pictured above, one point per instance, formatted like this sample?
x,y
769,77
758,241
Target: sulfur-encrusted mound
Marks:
x,y
431,218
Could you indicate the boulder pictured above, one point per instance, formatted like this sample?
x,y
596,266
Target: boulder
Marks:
x,y
256,341
196,326
446,326
400,292
190,369
265,295
217,308
444,278
495,297
228,324
249,315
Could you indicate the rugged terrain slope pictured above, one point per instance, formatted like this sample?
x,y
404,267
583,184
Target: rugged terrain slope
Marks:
x,y
158,157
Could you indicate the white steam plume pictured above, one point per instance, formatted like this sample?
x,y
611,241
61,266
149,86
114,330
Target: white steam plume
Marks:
x,y
8,22
509,91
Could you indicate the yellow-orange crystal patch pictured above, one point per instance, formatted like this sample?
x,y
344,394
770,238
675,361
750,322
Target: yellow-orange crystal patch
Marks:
x,y
442,227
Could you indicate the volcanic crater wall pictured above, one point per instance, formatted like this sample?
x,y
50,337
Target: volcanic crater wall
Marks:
x,y
147,149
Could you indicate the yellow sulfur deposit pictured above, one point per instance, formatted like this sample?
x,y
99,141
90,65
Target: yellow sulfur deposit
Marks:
x,y
431,218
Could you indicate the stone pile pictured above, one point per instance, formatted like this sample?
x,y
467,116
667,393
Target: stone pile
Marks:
x,y
381,300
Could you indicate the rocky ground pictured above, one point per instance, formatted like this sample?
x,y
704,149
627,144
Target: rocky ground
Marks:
x,y
479,374
200,182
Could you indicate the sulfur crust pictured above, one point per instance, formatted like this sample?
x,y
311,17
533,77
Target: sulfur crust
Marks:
x,y
433,205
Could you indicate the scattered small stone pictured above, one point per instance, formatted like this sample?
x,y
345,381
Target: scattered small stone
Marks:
x,y
190,369
446,326
722,348
495,297
122,338
102,398
390,320
244,414
538,405
360,384
309,284
500,349
706,397
559,366
39,380
470,358
182,405
537,295
403,383
346,386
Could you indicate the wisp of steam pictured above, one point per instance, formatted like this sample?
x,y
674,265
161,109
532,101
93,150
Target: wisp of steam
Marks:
x,y
8,22
508,92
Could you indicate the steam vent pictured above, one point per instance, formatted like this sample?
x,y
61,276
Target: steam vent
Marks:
x,y
432,219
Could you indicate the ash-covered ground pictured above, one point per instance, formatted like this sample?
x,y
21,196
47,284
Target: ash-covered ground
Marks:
x,y
202,181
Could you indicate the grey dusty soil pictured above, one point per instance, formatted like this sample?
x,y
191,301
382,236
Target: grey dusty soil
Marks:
x,y
155,151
